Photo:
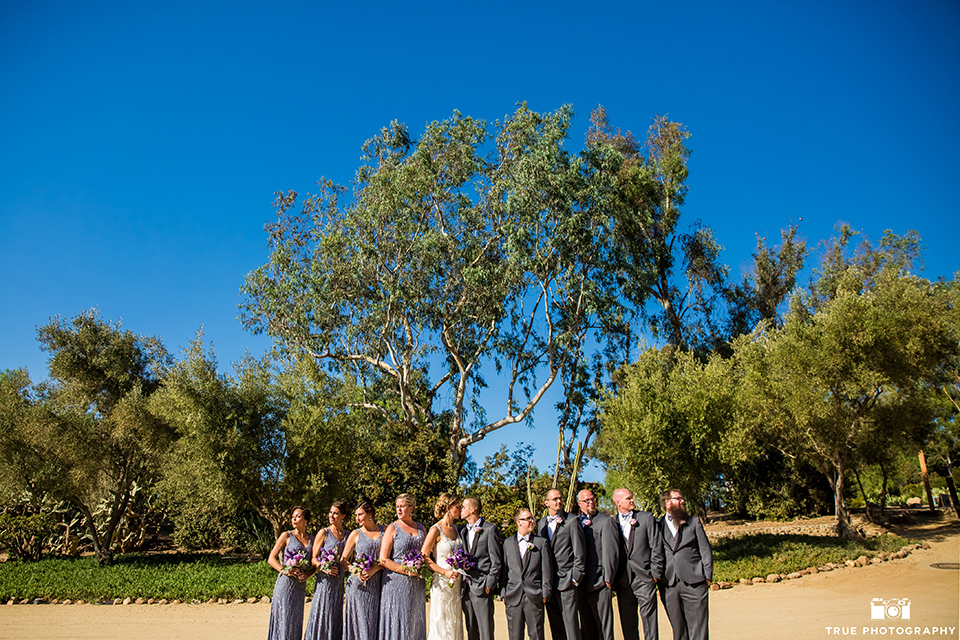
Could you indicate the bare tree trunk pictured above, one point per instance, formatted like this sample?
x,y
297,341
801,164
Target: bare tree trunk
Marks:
x,y
844,528
926,480
866,500
951,487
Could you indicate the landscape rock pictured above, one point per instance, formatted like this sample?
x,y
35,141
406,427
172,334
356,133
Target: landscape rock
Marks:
x,y
128,601
773,577
794,575
757,580
745,581
251,601
265,599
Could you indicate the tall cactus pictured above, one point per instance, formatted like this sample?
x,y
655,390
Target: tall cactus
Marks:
x,y
573,476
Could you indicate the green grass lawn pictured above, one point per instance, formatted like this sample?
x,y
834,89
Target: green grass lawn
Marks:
x,y
181,576
201,576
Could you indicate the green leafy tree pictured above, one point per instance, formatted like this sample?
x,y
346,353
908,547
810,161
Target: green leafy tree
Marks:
x,y
848,364
260,440
465,250
99,446
669,424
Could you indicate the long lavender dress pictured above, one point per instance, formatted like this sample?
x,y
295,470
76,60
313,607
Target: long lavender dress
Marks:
x,y
326,612
286,607
403,600
362,607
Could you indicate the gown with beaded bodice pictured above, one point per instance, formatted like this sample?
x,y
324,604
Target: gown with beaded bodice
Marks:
x,y
403,598
446,614
326,611
286,606
361,615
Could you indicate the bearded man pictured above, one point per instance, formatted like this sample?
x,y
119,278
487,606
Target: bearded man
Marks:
x,y
685,588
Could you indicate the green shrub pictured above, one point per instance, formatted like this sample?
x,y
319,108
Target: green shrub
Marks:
x,y
760,555
24,537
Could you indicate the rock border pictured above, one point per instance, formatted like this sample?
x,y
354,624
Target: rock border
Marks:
x,y
862,561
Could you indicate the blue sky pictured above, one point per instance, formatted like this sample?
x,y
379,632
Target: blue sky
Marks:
x,y
141,144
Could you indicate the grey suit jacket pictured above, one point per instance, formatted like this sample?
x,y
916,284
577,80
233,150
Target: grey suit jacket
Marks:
x,y
488,550
532,576
601,541
688,556
568,549
641,555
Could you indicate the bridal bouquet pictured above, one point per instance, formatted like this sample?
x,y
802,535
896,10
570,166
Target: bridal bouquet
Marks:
x,y
327,558
415,560
462,562
362,562
296,562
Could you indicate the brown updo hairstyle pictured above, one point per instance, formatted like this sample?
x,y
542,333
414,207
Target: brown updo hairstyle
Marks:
x,y
408,500
303,510
367,506
340,506
444,502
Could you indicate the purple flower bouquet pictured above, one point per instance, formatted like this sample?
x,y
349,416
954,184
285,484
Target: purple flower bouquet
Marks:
x,y
461,561
296,562
327,558
362,562
415,560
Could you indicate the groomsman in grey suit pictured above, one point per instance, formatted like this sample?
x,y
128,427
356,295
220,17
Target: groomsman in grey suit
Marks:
x,y
483,541
685,587
566,541
527,577
600,537
640,566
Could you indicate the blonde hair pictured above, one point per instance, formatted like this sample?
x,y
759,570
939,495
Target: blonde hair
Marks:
x,y
408,500
444,502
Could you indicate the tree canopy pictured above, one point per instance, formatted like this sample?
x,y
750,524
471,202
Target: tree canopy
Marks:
x,y
476,255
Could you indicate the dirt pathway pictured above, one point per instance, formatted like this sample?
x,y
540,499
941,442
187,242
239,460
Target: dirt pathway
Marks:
x,y
825,605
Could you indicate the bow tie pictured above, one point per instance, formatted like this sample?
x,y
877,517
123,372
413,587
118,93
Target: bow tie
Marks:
x,y
524,539
474,527
625,517
552,519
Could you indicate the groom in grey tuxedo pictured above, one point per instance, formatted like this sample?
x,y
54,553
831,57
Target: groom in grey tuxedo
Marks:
x,y
527,577
483,541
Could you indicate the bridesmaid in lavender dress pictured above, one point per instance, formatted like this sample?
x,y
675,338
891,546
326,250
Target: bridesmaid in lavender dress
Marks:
x,y
326,612
286,607
362,607
403,600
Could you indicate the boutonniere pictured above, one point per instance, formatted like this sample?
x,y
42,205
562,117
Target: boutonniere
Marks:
x,y
633,522
559,521
529,546
586,521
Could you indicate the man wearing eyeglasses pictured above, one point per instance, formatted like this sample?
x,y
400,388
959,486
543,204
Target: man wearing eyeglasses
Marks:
x,y
528,578
685,588
639,568
566,541
600,535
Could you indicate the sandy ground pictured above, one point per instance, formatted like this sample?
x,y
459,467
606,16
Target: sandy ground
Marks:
x,y
818,606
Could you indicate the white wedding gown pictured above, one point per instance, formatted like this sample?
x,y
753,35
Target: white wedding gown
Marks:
x,y
446,616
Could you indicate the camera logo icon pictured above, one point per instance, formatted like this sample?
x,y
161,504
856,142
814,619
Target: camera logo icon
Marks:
x,y
892,609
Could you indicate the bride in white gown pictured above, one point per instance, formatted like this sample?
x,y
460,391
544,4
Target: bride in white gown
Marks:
x,y
446,616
